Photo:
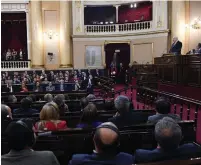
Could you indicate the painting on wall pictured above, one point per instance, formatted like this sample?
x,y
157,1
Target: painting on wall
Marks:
x,y
93,56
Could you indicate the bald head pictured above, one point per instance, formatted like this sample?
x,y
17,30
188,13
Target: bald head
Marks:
x,y
106,138
175,39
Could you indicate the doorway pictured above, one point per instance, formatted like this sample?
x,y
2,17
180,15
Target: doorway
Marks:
x,y
117,59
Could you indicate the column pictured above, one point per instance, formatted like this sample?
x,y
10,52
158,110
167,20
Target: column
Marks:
x,y
37,35
117,13
28,36
178,28
65,34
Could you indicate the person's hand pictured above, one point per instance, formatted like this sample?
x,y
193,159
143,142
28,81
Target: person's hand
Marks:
x,y
116,114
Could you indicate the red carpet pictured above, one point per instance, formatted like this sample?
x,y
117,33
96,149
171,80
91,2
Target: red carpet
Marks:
x,y
139,105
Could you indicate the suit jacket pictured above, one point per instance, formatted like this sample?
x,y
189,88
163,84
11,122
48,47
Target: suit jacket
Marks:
x,y
183,152
96,159
176,48
29,111
29,157
128,119
155,118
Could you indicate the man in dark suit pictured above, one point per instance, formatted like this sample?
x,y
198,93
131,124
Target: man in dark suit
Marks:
x,y
168,135
176,46
163,108
124,116
106,141
25,107
21,138
9,88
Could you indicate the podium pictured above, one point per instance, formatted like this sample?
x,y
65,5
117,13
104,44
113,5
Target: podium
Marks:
x,y
183,69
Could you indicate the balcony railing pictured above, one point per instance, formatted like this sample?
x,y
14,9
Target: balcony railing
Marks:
x,y
15,65
113,28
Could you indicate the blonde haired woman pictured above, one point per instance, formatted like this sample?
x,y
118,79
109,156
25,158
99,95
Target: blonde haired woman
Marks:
x,y
49,118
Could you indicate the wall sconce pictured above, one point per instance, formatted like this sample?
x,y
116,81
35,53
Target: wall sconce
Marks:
x,y
50,34
196,23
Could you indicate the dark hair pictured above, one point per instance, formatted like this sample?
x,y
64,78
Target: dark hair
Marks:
x,y
111,148
60,101
48,97
168,134
33,97
12,99
83,103
163,106
20,134
199,45
89,114
26,103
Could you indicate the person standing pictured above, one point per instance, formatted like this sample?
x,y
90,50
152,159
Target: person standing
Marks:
x,y
176,46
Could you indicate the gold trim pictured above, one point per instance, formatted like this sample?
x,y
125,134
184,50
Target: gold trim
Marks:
x,y
66,66
152,51
102,57
169,24
120,35
117,42
37,66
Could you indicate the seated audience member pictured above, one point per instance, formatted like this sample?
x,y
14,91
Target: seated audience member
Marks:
x,y
60,101
50,87
163,108
198,50
37,87
9,88
106,141
124,116
25,107
91,97
6,117
24,88
168,134
48,97
89,117
12,99
77,86
83,103
21,138
45,81
49,118
33,97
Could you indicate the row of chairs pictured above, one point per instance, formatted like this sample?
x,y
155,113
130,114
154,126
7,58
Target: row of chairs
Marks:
x,y
73,105
40,95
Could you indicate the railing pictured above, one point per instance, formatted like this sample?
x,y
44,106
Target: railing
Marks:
x,y
127,27
15,65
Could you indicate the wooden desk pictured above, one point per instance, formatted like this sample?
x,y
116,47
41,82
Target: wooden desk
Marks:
x,y
182,69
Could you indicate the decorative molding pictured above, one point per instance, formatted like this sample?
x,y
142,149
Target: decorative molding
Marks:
x,y
78,29
78,3
120,38
14,7
102,37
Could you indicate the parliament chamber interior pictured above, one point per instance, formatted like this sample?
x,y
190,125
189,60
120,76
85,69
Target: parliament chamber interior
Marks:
x,y
100,82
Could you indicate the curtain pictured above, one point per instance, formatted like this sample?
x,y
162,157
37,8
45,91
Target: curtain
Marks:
x,y
135,14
